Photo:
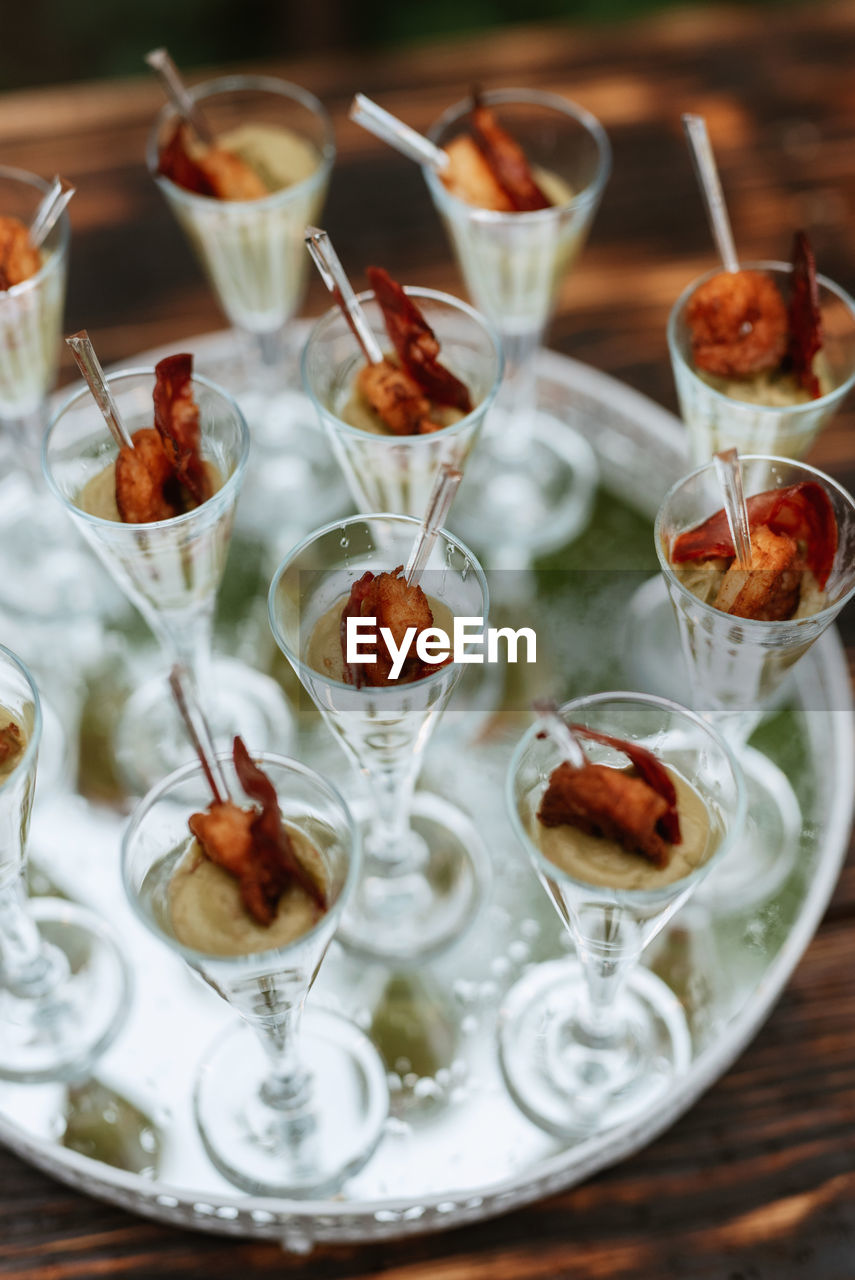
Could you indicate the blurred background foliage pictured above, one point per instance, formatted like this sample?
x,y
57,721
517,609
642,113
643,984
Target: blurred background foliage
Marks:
x,y
50,41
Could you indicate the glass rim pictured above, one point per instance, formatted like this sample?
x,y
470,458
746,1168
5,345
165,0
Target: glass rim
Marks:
x,y
229,484
232,84
588,195
826,615
182,774
27,759
51,262
410,441
642,896
376,691
795,411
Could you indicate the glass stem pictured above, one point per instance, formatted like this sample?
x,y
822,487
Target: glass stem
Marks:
x,y
517,397
189,641
289,1086
25,434
392,782
266,357
269,348
274,1010
31,968
607,953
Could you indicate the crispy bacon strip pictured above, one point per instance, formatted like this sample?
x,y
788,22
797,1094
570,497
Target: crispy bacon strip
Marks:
x,y
252,844
359,593
176,417
652,771
805,318
506,159
802,511
387,598
609,803
416,343
208,171
176,163
271,844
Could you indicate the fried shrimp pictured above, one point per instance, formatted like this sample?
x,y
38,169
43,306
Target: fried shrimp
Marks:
x,y
146,486
396,398
208,171
609,803
769,588
394,605
738,323
469,177
18,259
253,845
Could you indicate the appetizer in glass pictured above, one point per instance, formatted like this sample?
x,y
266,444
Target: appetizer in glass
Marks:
x,y
394,417
64,987
523,180
243,866
244,194
620,832
763,357
159,513
34,542
742,628
425,867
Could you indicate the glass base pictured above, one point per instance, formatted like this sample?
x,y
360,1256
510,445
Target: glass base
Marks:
x,y
293,483
516,504
151,739
571,1089
766,852
298,1154
60,1034
39,545
404,918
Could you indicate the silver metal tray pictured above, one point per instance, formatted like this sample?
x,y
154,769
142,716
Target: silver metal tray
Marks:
x,y
456,1149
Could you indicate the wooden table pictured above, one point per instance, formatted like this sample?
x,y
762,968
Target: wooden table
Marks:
x,y
758,1181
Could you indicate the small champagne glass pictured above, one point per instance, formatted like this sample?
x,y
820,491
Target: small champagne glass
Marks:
x,y
531,485
253,254
717,420
425,868
292,1101
389,472
34,542
737,665
64,987
593,1042
170,569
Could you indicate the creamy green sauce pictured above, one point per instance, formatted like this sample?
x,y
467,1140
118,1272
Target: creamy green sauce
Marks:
x,y
357,412
98,495
772,388
279,157
206,910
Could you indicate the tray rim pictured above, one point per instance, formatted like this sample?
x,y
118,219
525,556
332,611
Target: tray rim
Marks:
x,y
299,1224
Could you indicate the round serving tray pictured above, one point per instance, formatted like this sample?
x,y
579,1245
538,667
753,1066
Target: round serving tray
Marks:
x,y
455,1148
